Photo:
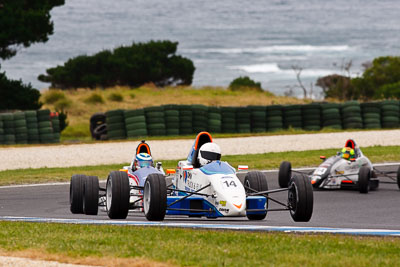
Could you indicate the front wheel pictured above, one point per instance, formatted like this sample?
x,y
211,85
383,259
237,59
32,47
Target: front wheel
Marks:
x,y
91,195
256,182
117,195
76,193
285,173
155,197
300,198
364,176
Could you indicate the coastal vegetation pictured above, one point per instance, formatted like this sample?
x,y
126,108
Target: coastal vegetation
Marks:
x,y
380,80
134,65
244,83
22,23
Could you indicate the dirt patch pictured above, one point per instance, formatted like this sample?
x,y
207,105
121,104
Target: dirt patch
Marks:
x,y
37,258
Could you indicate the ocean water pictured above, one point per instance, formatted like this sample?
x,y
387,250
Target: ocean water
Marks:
x,y
226,39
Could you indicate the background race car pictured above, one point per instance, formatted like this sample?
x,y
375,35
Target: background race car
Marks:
x,y
212,191
350,168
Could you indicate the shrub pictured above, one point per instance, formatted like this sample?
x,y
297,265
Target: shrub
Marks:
x,y
16,95
133,65
388,91
62,116
132,95
117,97
244,83
94,98
336,86
63,104
53,96
381,79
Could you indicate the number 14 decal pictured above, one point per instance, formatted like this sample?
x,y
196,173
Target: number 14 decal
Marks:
x,y
229,183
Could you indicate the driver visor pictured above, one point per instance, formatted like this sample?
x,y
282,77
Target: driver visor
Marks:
x,y
145,163
210,155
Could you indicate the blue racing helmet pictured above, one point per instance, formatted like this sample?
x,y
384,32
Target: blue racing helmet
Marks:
x,y
143,160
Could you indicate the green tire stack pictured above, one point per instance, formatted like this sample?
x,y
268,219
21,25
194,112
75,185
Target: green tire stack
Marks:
x,y
8,127
21,130
155,121
258,118
243,120
33,127
55,123
292,116
351,115
331,116
44,126
371,115
115,121
185,120
135,123
200,118
171,116
228,119
390,113
214,120
1,130
274,118
311,115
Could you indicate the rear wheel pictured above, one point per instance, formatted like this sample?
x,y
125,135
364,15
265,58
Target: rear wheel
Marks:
x,y
76,193
155,197
364,176
300,198
285,173
117,195
256,182
91,195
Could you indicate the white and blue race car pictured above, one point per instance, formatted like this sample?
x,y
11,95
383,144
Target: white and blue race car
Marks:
x,y
210,191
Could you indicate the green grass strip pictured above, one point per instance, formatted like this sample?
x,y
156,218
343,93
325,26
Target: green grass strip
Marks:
x,y
187,247
254,161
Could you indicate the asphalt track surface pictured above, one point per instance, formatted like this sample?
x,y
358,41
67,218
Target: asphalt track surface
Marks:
x,y
332,208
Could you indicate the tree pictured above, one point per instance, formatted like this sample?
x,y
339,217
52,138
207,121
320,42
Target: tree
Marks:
x,y
22,23
133,65
16,95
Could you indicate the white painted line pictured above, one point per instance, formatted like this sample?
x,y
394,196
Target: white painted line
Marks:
x,y
285,229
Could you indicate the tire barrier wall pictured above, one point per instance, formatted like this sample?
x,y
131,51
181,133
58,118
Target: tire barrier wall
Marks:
x,y
29,127
191,119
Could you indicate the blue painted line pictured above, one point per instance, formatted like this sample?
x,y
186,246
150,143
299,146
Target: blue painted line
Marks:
x,y
285,229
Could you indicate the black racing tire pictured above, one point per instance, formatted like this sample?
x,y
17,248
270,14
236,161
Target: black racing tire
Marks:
x,y
117,195
257,181
155,197
76,193
300,198
91,195
284,174
364,175
398,177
